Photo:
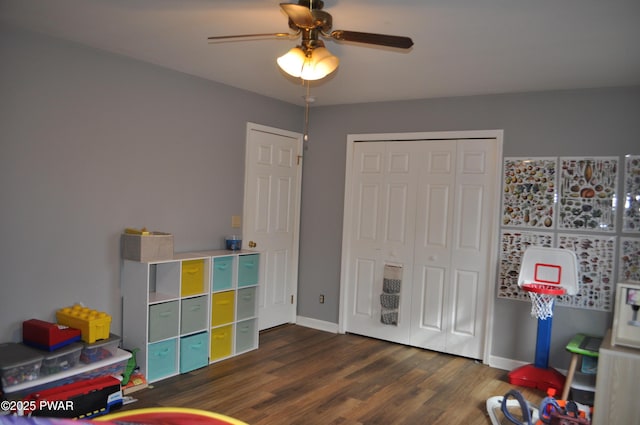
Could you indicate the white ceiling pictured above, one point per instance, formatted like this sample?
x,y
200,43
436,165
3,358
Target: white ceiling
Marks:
x,y
462,47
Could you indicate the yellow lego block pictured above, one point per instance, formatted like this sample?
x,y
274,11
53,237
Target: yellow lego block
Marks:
x,y
94,325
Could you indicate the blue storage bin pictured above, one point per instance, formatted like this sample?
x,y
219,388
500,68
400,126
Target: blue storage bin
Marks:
x,y
222,273
194,352
248,266
161,362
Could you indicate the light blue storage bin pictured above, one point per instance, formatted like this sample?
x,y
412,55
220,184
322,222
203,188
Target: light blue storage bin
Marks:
x,y
222,273
194,352
194,314
246,303
161,361
248,266
246,336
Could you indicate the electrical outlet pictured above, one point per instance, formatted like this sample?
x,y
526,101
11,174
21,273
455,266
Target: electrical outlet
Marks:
x,y
321,299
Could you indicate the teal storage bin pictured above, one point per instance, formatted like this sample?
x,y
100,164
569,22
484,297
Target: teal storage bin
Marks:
x,y
194,352
194,314
222,273
163,321
248,266
161,361
246,336
246,303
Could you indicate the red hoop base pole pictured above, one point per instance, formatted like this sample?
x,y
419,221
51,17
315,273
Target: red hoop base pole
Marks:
x,y
535,377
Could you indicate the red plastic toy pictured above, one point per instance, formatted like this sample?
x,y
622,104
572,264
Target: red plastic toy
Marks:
x,y
48,336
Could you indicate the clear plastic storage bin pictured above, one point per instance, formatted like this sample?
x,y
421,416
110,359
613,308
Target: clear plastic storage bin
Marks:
x,y
19,363
61,359
100,350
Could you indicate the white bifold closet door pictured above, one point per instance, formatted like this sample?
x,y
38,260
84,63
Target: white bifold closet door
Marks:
x,y
424,208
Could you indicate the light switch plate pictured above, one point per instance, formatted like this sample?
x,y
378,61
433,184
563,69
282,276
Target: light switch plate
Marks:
x,y
236,221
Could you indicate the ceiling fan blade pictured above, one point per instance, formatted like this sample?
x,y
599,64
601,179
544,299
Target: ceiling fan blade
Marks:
x,y
371,38
299,15
230,37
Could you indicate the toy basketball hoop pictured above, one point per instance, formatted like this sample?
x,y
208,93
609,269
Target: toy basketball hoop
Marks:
x,y
545,273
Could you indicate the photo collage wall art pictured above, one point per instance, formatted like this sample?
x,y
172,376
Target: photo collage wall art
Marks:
x,y
572,203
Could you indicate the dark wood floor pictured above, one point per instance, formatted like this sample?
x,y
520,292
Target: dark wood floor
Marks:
x,y
304,376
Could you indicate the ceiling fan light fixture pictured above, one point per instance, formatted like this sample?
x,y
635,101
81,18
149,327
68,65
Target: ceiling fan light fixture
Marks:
x,y
310,60
313,65
292,62
320,64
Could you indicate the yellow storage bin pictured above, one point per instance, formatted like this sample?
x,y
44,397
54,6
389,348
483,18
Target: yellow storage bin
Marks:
x,y
192,277
222,308
221,342
94,325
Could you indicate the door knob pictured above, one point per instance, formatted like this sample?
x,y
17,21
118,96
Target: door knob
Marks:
x,y
252,244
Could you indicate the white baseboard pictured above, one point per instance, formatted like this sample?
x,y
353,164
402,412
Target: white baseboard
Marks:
x,y
509,364
320,325
504,363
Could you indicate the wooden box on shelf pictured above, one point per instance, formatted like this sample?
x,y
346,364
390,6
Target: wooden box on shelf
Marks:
x,y
155,246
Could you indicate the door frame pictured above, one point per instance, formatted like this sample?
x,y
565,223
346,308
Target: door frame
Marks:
x,y
498,135
295,249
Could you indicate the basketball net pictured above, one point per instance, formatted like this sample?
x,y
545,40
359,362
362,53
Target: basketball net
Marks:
x,y
541,305
542,298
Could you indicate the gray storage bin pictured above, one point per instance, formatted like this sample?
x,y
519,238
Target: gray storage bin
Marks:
x,y
163,321
246,303
194,314
246,335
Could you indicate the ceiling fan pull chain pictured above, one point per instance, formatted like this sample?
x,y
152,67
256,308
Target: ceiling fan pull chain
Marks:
x,y
307,99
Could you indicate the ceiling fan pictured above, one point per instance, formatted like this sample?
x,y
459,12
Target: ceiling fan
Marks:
x,y
311,60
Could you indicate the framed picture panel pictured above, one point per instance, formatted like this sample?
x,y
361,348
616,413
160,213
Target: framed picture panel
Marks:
x,y
596,256
513,244
629,259
631,211
586,193
528,192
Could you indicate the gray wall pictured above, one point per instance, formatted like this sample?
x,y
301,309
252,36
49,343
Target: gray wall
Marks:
x,y
571,123
91,143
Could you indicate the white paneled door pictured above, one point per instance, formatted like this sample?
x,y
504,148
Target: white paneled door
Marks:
x,y
273,170
425,208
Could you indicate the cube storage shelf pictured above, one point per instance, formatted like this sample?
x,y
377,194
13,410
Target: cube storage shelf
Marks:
x,y
192,310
